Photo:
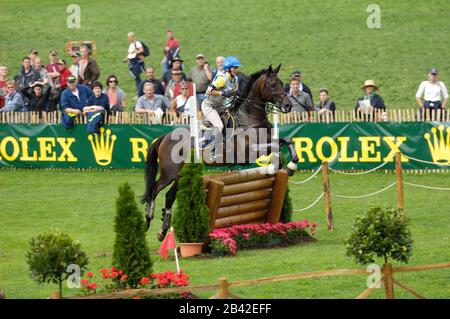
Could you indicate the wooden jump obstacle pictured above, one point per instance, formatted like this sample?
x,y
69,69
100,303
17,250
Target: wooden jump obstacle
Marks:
x,y
247,196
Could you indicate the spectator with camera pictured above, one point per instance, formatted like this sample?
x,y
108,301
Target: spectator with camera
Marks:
x,y
301,102
201,75
150,77
183,102
302,86
116,96
88,68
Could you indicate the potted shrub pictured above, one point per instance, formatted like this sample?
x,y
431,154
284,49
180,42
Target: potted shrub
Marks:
x,y
50,255
190,219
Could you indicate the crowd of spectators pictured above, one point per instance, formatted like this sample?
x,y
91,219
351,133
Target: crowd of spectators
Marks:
x,y
76,89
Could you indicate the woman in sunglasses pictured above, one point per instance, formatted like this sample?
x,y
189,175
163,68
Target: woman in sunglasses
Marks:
x,y
115,94
13,99
183,101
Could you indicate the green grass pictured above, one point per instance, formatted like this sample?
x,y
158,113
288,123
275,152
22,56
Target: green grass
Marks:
x,y
327,40
83,205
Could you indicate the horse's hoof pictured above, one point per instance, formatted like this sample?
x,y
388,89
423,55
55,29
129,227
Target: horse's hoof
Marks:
x,y
160,236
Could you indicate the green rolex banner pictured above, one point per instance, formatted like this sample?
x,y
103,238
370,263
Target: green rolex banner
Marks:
x,y
344,145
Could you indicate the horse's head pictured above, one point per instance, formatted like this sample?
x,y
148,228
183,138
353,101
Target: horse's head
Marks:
x,y
273,91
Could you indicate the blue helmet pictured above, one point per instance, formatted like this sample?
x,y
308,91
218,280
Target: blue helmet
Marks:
x,y
231,61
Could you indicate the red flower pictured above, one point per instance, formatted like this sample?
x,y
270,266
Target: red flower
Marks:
x,y
94,286
124,277
112,269
89,274
84,281
114,274
144,281
103,271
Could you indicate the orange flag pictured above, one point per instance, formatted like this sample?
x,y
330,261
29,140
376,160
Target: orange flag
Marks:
x,y
168,243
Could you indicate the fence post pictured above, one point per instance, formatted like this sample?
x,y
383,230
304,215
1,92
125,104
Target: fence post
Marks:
x,y
388,281
223,288
215,189
327,192
399,177
279,189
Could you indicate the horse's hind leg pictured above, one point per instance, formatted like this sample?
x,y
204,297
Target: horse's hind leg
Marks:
x,y
150,208
167,211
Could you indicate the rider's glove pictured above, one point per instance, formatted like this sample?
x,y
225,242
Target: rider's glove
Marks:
x,y
226,93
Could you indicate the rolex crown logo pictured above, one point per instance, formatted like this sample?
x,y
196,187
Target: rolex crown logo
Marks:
x,y
102,146
439,144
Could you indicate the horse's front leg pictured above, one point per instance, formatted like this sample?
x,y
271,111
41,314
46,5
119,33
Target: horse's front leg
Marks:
x,y
292,165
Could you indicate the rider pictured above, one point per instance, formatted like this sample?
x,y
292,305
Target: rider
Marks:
x,y
222,87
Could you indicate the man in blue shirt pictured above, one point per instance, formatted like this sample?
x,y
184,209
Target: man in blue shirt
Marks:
x,y
98,106
73,101
13,99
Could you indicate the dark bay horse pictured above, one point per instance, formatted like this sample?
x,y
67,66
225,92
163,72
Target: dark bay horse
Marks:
x,y
250,111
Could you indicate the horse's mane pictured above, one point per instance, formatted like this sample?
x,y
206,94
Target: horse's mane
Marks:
x,y
248,83
245,85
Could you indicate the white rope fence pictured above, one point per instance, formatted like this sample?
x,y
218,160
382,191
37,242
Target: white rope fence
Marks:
x,y
387,160
366,195
309,178
427,187
314,203
423,161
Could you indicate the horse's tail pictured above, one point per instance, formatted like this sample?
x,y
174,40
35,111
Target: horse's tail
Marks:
x,y
151,169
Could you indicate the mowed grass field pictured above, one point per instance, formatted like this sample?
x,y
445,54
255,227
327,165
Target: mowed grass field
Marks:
x,y
328,41
83,205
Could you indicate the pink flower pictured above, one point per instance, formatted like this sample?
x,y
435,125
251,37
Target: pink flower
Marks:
x,y
144,281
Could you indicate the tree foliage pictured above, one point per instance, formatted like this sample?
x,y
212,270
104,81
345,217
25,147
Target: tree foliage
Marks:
x,y
382,233
190,219
50,255
131,253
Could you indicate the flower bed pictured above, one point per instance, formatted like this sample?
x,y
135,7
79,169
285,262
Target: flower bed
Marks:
x,y
227,241
113,279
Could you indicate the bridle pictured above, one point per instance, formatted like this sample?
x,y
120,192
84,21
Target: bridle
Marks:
x,y
264,106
